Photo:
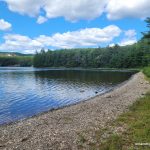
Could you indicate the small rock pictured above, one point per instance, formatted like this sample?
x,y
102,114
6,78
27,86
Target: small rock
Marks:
x,y
96,92
109,96
24,139
2,146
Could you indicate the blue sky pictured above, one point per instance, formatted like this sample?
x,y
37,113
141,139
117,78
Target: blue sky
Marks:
x,y
29,25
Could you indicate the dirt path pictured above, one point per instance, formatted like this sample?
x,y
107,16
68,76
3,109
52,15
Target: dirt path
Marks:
x,y
60,129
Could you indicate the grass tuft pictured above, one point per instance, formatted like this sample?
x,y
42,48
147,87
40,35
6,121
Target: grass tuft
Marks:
x,y
146,71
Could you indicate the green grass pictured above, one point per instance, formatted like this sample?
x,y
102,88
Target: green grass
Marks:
x,y
146,71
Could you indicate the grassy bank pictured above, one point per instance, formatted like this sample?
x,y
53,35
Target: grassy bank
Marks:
x,y
146,71
137,128
127,131
136,124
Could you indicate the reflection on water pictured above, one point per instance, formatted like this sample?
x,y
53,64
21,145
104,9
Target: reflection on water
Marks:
x,y
25,92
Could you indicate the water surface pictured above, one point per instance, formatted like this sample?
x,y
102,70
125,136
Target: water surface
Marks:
x,y
25,92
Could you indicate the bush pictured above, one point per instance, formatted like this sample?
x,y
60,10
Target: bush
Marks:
x,y
146,71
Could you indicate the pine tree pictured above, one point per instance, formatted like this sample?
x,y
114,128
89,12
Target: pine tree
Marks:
x,y
146,35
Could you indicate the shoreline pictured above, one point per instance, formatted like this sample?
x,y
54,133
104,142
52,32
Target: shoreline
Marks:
x,y
77,68
59,128
63,107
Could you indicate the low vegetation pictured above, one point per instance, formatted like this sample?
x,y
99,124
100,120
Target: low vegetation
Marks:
x,y
137,123
146,71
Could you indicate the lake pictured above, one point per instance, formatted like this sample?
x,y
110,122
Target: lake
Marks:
x,y
25,92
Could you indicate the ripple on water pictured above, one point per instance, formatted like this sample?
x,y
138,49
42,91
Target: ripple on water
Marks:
x,y
25,92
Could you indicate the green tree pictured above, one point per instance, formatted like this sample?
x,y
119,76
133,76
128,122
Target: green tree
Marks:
x,y
146,35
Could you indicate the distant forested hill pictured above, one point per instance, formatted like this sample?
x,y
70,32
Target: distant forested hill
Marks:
x,y
15,59
14,54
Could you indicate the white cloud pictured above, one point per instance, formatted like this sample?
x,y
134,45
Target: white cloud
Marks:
x,y
29,7
112,45
4,25
117,9
74,10
16,42
81,38
69,9
130,33
129,39
127,42
41,19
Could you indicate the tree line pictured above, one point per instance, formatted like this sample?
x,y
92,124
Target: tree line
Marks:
x,y
21,61
136,55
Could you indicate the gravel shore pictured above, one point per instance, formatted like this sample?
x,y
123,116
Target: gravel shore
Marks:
x,y
60,129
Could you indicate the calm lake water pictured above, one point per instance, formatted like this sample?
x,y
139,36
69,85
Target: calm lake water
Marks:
x,y
25,92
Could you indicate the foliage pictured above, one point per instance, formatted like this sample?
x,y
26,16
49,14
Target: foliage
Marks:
x,y
146,35
22,61
137,55
14,54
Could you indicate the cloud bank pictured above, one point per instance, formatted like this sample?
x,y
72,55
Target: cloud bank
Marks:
x,y
74,10
81,38
118,9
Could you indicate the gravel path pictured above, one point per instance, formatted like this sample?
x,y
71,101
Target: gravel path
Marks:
x,y
60,129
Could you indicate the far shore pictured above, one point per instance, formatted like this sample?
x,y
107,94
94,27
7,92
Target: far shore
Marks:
x,y
77,68
61,129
